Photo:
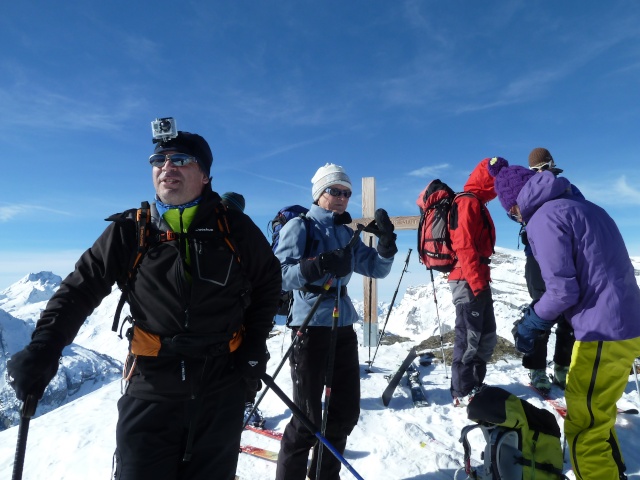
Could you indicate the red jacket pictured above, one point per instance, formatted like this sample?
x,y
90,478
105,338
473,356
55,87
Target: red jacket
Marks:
x,y
474,236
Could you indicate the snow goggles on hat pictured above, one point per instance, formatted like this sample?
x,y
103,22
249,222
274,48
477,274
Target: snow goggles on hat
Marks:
x,y
543,166
176,159
336,192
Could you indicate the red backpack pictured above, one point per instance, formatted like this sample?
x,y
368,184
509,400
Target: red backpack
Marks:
x,y
439,214
434,242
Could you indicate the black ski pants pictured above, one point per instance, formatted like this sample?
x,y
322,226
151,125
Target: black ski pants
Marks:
x,y
564,331
475,338
151,437
308,363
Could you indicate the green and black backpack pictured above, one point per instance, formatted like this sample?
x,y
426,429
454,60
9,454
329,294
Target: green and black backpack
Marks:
x,y
522,441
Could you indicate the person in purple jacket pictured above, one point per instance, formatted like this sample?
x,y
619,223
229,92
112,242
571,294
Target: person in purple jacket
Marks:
x,y
589,280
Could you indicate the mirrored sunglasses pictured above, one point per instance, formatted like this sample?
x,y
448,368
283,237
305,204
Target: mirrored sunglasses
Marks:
x,y
543,167
176,159
336,192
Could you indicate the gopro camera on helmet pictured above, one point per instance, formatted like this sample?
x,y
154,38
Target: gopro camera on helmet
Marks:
x,y
164,129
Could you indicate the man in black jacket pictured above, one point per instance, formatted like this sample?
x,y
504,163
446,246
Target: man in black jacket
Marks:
x,y
202,299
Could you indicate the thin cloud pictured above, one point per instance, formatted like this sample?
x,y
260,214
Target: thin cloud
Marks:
x,y
277,151
9,212
625,194
277,180
26,103
430,171
533,84
293,146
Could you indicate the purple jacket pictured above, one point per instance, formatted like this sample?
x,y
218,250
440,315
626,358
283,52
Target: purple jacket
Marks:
x,y
583,260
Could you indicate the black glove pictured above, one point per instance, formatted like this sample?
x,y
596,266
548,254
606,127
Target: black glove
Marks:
x,y
387,239
336,262
251,360
32,368
524,239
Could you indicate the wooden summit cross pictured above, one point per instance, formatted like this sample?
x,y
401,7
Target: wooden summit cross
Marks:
x,y
370,330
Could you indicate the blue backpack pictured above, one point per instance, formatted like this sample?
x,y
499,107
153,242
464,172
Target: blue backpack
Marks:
x,y
283,216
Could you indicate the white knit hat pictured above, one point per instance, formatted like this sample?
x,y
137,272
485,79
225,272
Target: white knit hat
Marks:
x,y
330,174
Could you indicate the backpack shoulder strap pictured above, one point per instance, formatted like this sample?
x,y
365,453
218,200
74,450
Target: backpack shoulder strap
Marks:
x,y
143,219
309,237
223,226
467,446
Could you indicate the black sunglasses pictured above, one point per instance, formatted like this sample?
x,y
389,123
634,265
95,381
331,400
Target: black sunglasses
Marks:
x,y
336,192
176,159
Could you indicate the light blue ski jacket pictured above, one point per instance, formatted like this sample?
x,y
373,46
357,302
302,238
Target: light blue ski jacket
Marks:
x,y
325,236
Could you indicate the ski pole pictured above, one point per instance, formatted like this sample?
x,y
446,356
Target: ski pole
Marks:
x,y
295,340
435,299
393,299
307,423
635,372
303,327
329,374
28,410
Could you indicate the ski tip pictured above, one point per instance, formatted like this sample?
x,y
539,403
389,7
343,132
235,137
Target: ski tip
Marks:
x,y
629,411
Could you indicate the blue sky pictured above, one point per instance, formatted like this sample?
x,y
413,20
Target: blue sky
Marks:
x,y
403,91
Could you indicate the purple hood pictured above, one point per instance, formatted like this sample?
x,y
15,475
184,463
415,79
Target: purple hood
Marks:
x,y
583,259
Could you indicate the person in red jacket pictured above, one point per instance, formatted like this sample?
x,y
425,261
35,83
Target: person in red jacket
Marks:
x,y
472,239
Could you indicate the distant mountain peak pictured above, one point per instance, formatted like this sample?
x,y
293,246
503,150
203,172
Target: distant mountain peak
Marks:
x,y
33,288
43,278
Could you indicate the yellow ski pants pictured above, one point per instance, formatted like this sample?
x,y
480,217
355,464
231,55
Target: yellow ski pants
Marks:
x,y
598,375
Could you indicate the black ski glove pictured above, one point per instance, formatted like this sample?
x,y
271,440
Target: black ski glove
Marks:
x,y
336,262
387,239
251,360
524,239
32,368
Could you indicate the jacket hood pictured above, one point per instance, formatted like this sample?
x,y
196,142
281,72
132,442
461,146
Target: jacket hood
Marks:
x,y
541,188
480,182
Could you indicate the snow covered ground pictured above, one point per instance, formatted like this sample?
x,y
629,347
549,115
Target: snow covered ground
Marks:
x,y
76,440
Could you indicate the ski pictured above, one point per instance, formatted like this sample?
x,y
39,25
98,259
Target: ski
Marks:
x,y
415,385
273,333
259,452
557,404
560,407
265,431
395,379
426,439
628,411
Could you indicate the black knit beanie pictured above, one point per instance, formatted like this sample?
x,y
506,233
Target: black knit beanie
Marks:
x,y
191,144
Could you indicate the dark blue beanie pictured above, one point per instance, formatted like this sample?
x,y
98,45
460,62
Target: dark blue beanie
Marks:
x,y
191,144
233,200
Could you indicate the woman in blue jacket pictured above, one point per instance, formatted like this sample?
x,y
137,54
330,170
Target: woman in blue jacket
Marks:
x,y
590,280
327,218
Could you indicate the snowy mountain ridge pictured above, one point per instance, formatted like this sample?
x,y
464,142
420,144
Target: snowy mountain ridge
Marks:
x,y
82,369
76,440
